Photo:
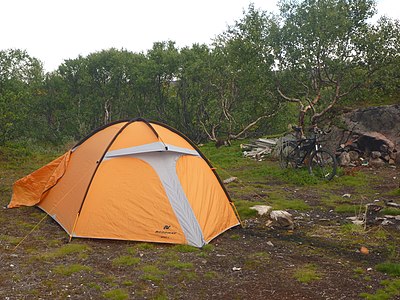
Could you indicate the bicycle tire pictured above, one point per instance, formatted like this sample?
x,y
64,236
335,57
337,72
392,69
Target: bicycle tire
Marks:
x,y
322,164
286,155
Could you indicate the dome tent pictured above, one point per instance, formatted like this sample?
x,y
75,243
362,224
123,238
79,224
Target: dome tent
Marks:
x,y
132,180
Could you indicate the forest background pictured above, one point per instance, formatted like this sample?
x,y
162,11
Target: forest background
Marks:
x,y
303,66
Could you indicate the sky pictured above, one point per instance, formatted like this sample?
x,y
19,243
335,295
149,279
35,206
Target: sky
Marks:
x,y
55,30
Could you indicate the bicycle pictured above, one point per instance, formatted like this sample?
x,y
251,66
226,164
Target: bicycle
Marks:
x,y
308,151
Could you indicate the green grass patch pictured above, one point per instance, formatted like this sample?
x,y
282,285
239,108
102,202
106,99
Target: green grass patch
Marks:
x,y
67,249
10,239
127,283
152,273
347,209
284,204
125,260
256,260
389,268
395,192
235,237
117,294
244,210
185,248
391,289
68,270
145,246
211,275
390,211
187,276
351,228
179,265
307,274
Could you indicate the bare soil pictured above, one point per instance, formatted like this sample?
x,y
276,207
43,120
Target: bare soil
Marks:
x,y
255,262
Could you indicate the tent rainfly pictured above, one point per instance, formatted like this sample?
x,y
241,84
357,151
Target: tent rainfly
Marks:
x,y
132,180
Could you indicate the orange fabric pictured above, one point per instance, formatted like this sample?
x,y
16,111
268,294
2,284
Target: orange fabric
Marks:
x,y
135,134
31,189
171,138
209,202
127,201
64,200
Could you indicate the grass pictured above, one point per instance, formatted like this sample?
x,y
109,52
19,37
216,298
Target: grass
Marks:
x,y
185,248
152,273
390,211
347,209
68,270
389,268
125,260
179,265
67,249
351,228
307,274
244,210
117,294
255,260
391,289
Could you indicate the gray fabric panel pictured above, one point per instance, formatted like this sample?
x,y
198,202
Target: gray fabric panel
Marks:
x,y
165,166
153,147
157,146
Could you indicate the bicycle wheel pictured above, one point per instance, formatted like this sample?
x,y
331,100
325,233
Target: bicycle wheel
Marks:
x,y
287,155
322,164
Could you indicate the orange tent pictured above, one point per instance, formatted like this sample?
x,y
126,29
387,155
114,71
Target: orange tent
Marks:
x,y
132,180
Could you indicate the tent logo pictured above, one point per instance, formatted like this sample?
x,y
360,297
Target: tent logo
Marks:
x,y
166,227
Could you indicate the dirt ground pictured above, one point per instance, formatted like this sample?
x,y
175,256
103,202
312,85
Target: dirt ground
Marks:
x,y
255,262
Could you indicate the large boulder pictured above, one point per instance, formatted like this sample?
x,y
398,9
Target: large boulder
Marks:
x,y
368,130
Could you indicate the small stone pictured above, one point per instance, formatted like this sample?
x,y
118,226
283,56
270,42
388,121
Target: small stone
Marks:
x,y
346,195
376,154
262,209
344,159
236,269
269,243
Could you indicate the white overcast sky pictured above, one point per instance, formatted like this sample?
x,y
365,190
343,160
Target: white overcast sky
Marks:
x,y
54,30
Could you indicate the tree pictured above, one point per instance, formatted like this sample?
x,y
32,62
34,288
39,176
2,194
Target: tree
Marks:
x,y
20,77
326,50
241,78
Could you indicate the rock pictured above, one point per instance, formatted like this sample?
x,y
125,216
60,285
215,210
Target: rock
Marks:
x,y
269,243
262,209
354,156
229,180
376,154
282,218
376,162
344,159
364,250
